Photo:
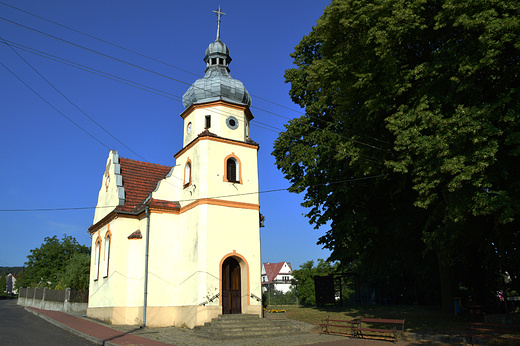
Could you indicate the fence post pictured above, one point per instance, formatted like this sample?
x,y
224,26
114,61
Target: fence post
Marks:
x,y
66,303
42,302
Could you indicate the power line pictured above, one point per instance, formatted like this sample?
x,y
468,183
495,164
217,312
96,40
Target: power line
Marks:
x,y
72,103
101,40
134,52
57,110
179,81
164,93
152,90
195,199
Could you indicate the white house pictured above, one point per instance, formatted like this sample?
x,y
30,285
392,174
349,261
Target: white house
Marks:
x,y
181,245
277,276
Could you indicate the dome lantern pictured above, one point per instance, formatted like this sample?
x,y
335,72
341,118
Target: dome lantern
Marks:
x,y
217,83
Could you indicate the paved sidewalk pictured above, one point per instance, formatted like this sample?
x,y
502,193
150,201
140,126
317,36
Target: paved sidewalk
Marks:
x,y
94,332
103,335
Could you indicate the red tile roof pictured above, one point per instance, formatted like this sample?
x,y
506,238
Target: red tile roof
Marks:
x,y
164,204
139,180
136,235
273,269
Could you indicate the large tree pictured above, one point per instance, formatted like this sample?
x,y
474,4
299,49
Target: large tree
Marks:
x,y
410,141
57,262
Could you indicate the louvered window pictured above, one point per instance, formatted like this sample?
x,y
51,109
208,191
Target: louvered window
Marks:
x,y
231,170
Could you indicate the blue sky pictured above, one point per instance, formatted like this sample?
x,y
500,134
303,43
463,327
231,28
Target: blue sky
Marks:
x,y
53,156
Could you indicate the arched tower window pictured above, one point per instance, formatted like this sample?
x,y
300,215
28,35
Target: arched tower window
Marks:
x,y
233,169
187,174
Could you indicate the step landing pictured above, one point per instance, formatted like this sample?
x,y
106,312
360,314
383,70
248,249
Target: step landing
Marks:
x,y
245,326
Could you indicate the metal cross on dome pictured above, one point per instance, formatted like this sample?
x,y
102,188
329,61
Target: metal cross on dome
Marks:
x,y
219,13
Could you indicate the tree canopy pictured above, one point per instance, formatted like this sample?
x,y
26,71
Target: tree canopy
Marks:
x,y
304,279
409,145
58,263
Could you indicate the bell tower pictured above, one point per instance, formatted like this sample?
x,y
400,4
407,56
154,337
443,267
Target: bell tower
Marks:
x,y
219,162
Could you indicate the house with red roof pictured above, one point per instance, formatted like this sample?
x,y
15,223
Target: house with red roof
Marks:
x,y
277,276
179,245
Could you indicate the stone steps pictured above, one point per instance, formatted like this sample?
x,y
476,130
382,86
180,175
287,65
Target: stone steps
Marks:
x,y
244,326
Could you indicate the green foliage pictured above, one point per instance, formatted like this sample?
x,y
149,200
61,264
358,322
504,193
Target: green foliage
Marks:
x,y
281,298
3,284
77,273
48,265
305,279
409,146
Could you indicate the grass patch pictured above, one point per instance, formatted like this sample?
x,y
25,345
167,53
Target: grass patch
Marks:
x,y
418,319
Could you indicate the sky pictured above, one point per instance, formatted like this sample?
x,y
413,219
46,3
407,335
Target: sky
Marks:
x,y
59,121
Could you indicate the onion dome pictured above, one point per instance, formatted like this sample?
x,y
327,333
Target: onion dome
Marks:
x,y
217,83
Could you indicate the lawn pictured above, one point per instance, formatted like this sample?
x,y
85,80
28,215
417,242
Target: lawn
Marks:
x,y
418,319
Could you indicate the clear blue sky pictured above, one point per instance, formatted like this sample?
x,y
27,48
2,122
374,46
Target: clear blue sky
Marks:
x,y
48,162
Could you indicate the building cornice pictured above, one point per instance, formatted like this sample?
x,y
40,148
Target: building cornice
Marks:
x,y
165,210
242,108
216,139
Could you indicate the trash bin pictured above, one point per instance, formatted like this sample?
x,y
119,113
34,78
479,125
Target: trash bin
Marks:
x,y
458,305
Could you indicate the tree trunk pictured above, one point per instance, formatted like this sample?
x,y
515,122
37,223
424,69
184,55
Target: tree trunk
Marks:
x,y
447,283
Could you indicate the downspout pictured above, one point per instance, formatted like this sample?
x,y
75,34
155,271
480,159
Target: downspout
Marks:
x,y
146,265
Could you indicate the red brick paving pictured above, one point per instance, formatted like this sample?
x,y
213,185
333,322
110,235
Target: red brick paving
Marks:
x,y
119,338
97,330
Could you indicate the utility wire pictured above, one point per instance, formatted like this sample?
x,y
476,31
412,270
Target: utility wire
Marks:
x,y
99,39
215,197
177,98
94,71
179,81
146,88
57,110
72,103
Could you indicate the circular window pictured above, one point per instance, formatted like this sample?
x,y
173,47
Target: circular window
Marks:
x,y
232,122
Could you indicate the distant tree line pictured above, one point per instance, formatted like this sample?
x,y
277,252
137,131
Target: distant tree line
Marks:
x,y
57,264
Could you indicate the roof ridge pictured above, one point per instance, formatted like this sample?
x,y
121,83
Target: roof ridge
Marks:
x,y
145,162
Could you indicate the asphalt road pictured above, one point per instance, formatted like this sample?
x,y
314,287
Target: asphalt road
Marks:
x,y
21,328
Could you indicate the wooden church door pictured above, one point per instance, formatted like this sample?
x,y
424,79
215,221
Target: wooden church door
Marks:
x,y
231,303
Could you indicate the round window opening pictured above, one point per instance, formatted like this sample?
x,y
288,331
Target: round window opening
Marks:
x,y
232,122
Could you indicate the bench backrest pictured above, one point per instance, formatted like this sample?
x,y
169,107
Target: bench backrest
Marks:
x,y
344,321
381,320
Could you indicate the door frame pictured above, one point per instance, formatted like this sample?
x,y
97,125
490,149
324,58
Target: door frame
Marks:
x,y
245,291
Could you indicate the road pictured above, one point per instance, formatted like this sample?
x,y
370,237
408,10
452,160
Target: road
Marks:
x,y
22,328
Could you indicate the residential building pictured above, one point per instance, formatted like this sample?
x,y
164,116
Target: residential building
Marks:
x,y
277,276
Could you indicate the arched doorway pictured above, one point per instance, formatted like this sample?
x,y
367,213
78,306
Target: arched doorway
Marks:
x,y
231,303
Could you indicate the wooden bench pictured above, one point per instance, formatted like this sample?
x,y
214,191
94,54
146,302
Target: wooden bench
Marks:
x,y
337,323
491,331
379,322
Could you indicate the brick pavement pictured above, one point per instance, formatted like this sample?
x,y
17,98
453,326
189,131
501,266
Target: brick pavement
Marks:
x,y
102,335
94,331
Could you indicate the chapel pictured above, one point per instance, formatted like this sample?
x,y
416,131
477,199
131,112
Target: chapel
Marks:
x,y
178,246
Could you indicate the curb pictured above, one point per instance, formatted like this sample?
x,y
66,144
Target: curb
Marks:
x,y
450,339
95,340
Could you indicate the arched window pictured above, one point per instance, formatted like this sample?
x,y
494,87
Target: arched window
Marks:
x,y
107,254
96,268
232,169
187,174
